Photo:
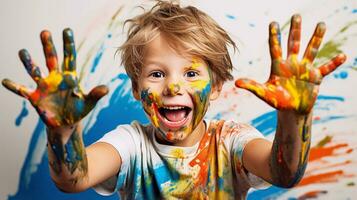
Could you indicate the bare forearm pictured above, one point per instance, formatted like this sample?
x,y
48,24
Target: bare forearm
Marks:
x,y
67,157
290,149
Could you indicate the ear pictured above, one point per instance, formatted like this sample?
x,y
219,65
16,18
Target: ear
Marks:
x,y
216,91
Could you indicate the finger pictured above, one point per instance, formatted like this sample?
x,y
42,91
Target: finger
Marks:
x,y
314,44
16,88
69,63
49,51
294,35
97,93
330,66
254,87
274,41
31,68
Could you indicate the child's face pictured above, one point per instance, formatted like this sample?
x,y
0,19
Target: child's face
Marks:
x,y
175,90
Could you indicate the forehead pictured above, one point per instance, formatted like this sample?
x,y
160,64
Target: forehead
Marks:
x,y
164,51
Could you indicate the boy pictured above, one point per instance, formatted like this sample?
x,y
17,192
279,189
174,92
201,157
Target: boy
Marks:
x,y
177,60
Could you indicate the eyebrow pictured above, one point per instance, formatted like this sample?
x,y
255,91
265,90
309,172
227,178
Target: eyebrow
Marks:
x,y
194,65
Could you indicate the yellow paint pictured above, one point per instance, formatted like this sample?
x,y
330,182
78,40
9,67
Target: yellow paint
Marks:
x,y
155,120
305,76
177,153
291,87
53,80
195,63
199,84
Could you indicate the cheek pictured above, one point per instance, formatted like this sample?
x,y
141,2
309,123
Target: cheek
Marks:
x,y
200,91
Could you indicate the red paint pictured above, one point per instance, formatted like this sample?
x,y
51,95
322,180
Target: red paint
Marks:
x,y
170,136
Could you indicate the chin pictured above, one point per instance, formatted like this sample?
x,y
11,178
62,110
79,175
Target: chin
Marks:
x,y
173,136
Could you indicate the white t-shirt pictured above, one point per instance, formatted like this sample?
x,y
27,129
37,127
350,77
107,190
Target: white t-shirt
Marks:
x,y
211,169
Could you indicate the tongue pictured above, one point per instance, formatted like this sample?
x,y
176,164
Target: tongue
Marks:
x,y
175,115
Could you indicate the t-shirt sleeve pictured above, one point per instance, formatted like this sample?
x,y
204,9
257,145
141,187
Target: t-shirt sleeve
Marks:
x,y
124,140
241,136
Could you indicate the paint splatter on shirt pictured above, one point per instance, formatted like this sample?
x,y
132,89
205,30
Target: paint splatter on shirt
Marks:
x,y
211,169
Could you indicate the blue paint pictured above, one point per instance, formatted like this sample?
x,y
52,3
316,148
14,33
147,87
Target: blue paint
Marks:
x,y
205,92
230,16
79,107
24,113
120,77
327,102
354,11
270,193
266,123
97,58
120,104
99,55
328,118
341,75
218,116
325,97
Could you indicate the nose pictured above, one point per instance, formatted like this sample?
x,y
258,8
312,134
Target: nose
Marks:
x,y
172,89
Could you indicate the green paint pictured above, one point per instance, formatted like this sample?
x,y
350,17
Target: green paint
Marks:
x,y
347,26
324,141
333,46
328,50
351,184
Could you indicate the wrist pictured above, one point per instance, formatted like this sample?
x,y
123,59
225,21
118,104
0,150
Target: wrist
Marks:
x,y
62,133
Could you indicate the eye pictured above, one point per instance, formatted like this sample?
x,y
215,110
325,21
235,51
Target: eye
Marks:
x,y
191,74
156,74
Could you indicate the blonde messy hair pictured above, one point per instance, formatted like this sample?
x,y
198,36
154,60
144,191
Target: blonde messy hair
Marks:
x,y
189,28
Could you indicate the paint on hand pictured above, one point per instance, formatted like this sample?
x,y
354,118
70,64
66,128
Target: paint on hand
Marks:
x,y
293,84
70,154
59,101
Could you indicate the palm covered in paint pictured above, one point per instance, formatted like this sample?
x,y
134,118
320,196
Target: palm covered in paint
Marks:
x,y
293,84
58,97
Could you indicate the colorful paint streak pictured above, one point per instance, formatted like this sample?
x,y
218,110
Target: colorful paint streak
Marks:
x,y
24,112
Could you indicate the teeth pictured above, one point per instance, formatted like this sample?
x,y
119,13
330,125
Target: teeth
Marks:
x,y
173,107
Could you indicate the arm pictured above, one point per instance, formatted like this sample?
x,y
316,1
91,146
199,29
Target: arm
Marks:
x,y
292,88
61,104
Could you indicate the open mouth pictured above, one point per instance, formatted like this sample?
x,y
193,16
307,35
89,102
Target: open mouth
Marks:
x,y
174,116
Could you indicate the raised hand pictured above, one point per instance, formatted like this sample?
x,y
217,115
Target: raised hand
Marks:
x,y
293,84
58,98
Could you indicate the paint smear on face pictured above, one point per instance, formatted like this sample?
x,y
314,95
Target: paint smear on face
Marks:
x,y
198,90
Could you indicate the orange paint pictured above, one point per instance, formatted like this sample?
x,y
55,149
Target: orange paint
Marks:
x,y
170,136
317,153
347,162
322,178
312,194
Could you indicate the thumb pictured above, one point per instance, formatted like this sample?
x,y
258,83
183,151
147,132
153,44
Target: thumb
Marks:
x,y
253,86
97,93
